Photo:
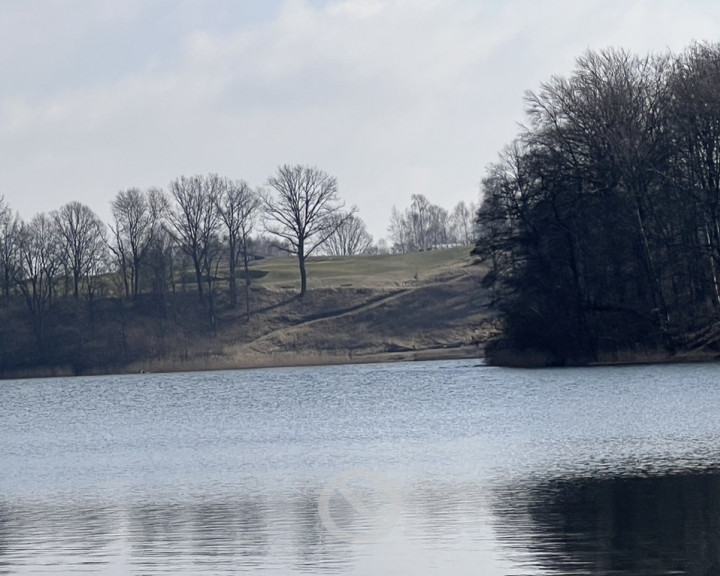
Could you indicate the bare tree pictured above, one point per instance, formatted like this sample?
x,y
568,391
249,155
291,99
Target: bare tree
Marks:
x,y
400,232
438,227
420,220
303,212
350,238
39,259
462,222
137,218
82,240
9,231
195,223
238,206
422,226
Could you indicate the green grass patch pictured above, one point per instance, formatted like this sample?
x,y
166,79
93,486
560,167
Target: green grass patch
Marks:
x,y
386,269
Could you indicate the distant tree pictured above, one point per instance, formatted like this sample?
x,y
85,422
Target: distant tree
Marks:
x,y
81,235
9,237
381,247
137,219
350,238
195,223
438,229
39,259
422,226
420,221
265,245
303,211
400,232
462,222
238,206
160,261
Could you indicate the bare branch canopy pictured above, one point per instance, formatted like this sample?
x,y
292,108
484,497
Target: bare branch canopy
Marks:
x,y
302,210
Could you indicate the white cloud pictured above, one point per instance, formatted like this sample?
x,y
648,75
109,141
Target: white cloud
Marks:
x,y
393,97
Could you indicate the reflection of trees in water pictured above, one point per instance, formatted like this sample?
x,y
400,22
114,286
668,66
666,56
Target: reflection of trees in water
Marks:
x,y
230,529
619,526
316,549
30,530
5,535
196,536
441,511
219,533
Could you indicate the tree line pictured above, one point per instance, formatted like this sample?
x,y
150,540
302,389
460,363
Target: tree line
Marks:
x,y
205,227
424,226
600,222
201,223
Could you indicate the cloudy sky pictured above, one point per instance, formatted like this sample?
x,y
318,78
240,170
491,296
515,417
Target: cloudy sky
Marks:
x,y
393,97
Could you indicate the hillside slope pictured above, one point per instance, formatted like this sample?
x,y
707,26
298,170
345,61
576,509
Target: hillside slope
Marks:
x,y
362,308
368,308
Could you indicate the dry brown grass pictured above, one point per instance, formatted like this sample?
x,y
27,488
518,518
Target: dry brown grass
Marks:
x,y
360,309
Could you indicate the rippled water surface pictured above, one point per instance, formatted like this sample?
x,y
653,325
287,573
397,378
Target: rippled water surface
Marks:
x,y
425,468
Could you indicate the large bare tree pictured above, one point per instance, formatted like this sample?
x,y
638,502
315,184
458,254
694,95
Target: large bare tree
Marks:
x,y
39,259
238,206
137,219
82,239
195,223
303,211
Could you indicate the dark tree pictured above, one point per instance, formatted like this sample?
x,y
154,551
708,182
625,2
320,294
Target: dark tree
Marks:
x,y
81,236
39,259
238,206
9,237
302,211
138,219
581,223
195,223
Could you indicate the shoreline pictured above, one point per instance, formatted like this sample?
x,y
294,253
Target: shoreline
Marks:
x,y
288,359
530,360
259,361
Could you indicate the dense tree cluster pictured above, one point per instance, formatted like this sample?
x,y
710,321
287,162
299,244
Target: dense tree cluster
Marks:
x,y
424,226
601,221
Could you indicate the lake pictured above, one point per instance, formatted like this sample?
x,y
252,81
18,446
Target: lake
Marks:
x,y
410,468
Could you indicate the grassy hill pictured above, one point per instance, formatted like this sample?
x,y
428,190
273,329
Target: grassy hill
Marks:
x,y
382,271
361,308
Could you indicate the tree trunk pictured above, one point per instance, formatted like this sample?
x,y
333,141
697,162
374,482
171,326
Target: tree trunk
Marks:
x,y
198,279
246,268
232,281
136,277
303,274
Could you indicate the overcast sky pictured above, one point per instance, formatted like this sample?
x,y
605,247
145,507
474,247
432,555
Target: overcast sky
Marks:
x,y
393,97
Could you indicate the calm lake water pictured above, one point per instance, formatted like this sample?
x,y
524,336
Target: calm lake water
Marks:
x,y
425,468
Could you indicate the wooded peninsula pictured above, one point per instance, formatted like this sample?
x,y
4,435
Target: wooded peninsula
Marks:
x,y
600,221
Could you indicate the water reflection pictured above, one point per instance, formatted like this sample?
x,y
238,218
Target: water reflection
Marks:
x,y
612,525
497,471
625,526
51,536
315,549
193,536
